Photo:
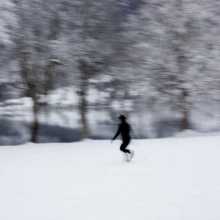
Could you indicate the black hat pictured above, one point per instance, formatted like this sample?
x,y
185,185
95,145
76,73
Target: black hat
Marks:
x,y
122,117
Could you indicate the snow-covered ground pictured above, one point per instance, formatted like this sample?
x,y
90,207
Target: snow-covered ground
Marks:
x,y
169,179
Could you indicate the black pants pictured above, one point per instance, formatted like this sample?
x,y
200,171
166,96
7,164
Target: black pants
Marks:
x,y
124,145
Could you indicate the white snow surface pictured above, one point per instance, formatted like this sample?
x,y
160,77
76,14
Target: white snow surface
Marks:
x,y
169,179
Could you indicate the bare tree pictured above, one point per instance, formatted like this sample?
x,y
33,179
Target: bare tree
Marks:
x,y
35,61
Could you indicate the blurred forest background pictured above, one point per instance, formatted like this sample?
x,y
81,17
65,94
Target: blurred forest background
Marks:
x,y
68,68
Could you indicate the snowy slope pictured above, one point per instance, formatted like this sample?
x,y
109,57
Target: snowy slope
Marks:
x,y
169,179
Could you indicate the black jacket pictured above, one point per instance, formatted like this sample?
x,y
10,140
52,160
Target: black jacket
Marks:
x,y
123,129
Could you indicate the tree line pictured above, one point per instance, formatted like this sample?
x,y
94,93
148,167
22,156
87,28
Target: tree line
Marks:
x,y
157,55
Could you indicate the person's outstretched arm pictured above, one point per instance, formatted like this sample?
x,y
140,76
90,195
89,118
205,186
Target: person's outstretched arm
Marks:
x,y
117,133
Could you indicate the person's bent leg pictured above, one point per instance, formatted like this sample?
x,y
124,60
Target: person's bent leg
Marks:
x,y
123,147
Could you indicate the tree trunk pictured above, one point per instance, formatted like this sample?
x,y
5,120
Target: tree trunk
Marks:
x,y
182,63
83,109
35,122
184,123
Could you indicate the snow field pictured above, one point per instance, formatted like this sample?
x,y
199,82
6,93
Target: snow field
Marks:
x,y
169,179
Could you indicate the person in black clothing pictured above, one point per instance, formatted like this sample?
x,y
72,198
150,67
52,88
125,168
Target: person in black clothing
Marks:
x,y
124,129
